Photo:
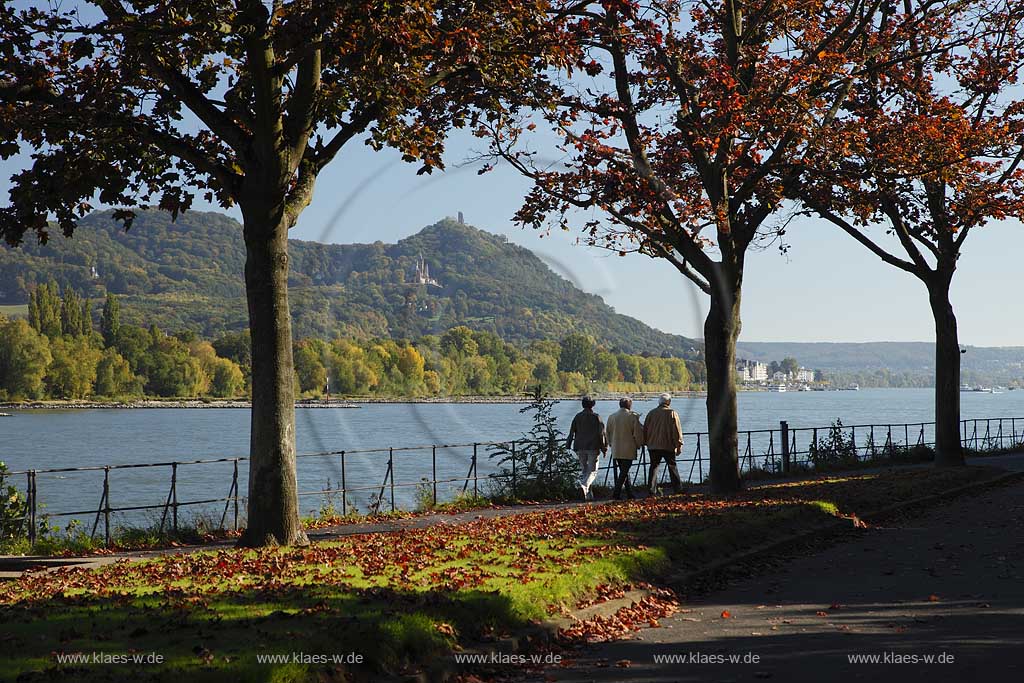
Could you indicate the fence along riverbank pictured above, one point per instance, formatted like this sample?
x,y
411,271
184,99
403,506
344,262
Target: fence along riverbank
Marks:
x,y
774,451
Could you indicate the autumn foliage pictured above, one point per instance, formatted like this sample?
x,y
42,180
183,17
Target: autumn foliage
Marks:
x,y
930,146
682,129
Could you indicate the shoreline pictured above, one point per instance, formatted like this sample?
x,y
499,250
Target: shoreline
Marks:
x,y
309,404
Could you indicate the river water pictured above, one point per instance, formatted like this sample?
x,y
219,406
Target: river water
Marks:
x,y
47,439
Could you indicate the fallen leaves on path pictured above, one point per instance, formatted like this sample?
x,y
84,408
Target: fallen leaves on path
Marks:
x,y
626,620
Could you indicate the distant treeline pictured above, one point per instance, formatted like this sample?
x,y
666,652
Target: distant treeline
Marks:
x,y
882,378
62,352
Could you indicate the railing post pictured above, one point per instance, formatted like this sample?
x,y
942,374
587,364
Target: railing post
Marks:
x,y
106,508
476,477
174,495
234,482
784,426
391,468
31,521
700,460
433,470
514,468
853,437
344,488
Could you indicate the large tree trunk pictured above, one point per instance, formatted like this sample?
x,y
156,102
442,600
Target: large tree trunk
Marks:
x,y
721,330
273,516
948,450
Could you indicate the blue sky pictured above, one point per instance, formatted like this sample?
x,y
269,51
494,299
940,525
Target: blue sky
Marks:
x,y
826,288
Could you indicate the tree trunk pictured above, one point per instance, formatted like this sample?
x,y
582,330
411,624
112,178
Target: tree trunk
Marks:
x,y
721,329
273,515
948,449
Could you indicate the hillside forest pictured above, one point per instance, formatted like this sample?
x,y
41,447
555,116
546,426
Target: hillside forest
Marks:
x,y
65,349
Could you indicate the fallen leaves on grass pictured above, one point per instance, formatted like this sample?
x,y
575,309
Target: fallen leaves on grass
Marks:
x,y
406,568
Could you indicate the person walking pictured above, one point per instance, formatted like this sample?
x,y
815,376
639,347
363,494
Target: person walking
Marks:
x,y
587,436
664,437
625,437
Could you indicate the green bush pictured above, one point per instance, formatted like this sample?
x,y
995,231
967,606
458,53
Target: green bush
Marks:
x,y
540,467
835,450
13,509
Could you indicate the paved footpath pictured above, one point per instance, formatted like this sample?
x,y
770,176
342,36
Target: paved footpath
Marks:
x,y
943,583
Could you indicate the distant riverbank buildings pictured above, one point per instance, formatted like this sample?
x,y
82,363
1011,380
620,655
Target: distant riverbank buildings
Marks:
x,y
748,371
755,372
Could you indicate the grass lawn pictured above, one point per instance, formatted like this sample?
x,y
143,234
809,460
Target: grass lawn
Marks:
x,y
399,600
21,310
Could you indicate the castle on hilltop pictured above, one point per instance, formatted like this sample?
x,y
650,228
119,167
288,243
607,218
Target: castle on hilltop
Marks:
x,y
423,273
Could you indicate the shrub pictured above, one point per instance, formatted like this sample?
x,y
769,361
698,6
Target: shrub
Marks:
x,y
13,509
836,449
540,467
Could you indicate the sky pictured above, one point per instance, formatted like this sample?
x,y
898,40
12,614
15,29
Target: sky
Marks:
x,y
825,288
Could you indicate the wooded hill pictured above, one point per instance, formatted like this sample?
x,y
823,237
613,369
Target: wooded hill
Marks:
x,y
187,274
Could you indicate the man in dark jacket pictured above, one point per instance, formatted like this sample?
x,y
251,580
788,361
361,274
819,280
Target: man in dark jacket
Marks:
x,y
587,437
664,437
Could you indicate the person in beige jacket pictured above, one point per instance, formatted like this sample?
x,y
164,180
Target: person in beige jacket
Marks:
x,y
664,437
625,436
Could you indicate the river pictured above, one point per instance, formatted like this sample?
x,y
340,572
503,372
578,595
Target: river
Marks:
x,y
46,439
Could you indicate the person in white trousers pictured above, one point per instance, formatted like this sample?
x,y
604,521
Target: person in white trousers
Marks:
x,y
587,436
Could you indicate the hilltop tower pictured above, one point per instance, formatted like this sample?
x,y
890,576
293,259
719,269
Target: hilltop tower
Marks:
x,y
462,219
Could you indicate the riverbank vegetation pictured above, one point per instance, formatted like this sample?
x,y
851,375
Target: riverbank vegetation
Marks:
x,y
62,350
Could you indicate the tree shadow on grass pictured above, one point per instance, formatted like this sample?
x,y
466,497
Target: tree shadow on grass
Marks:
x,y
350,635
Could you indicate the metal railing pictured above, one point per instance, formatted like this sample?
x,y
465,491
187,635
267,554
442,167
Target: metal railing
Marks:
x,y
779,451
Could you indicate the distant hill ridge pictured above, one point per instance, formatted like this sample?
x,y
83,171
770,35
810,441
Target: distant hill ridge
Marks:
x,y
991,363
188,274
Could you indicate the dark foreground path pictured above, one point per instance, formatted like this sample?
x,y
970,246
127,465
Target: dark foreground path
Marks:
x,y
944,583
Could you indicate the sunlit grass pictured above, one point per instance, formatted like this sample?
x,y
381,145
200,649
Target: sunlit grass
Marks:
x,y
403,599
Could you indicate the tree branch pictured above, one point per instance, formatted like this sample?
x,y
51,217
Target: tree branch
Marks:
x,y
856,234
302,102
356,125
898,224
177,83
